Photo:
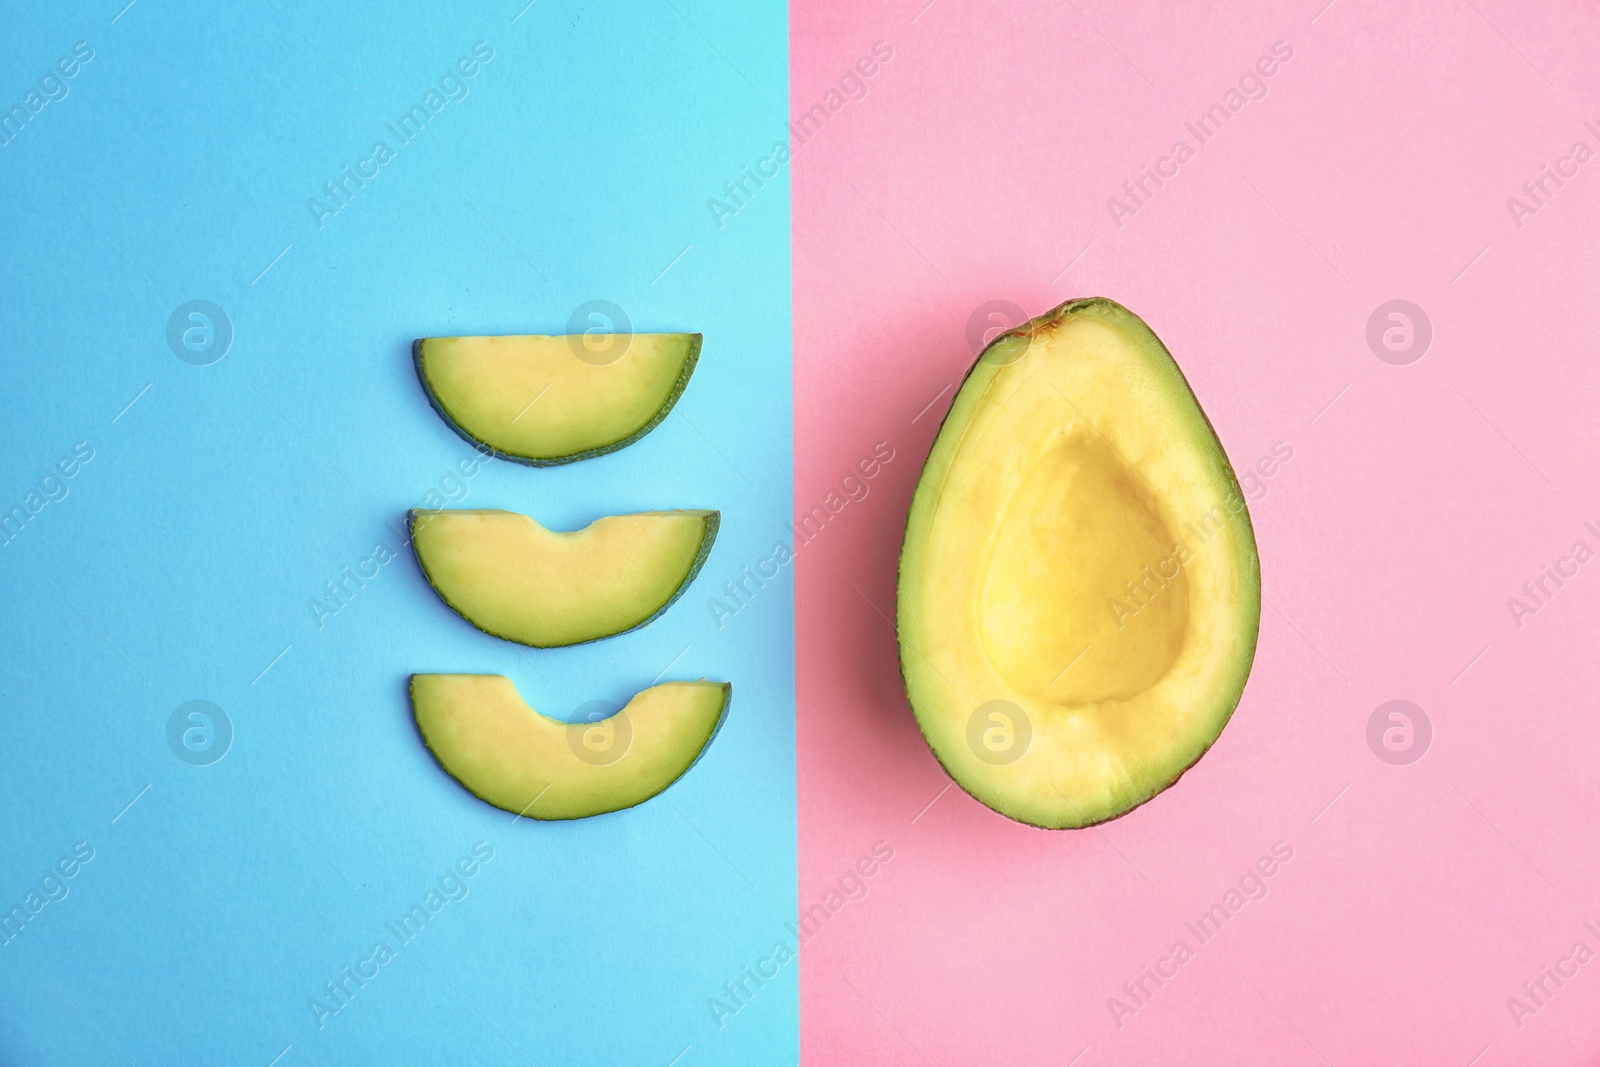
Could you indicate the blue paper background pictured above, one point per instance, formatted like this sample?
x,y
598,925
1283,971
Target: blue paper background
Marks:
x,y
184,556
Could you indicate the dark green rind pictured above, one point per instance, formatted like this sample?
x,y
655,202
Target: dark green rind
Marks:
x,y
727,702
713,524
1026,329
667,404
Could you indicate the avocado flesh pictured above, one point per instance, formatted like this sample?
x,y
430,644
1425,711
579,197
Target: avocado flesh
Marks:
x,y
514,579
506,754
1077,546
535,400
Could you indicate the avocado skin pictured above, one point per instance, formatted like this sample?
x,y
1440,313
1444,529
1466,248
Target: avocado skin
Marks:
x,y
662,412
1057,314
713,524
727,702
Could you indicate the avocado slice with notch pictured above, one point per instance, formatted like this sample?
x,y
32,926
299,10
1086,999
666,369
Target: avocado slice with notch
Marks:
x,y
548,400
1079,590
506,754
513,579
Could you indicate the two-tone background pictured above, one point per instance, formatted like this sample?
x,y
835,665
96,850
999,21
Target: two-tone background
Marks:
x,y
845,200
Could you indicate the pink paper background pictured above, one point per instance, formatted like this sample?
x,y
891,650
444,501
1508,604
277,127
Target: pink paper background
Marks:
x,y
1378,167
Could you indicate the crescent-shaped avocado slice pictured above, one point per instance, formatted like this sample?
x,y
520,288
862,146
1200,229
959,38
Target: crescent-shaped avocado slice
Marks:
x,y
514,579
550,400
506,754
1079,590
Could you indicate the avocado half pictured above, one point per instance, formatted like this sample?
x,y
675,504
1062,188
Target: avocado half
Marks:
x,y
548,400
1079,590
513,579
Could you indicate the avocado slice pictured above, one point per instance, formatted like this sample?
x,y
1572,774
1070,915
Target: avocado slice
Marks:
x,y
506,754
514,579
544,401
1079,591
